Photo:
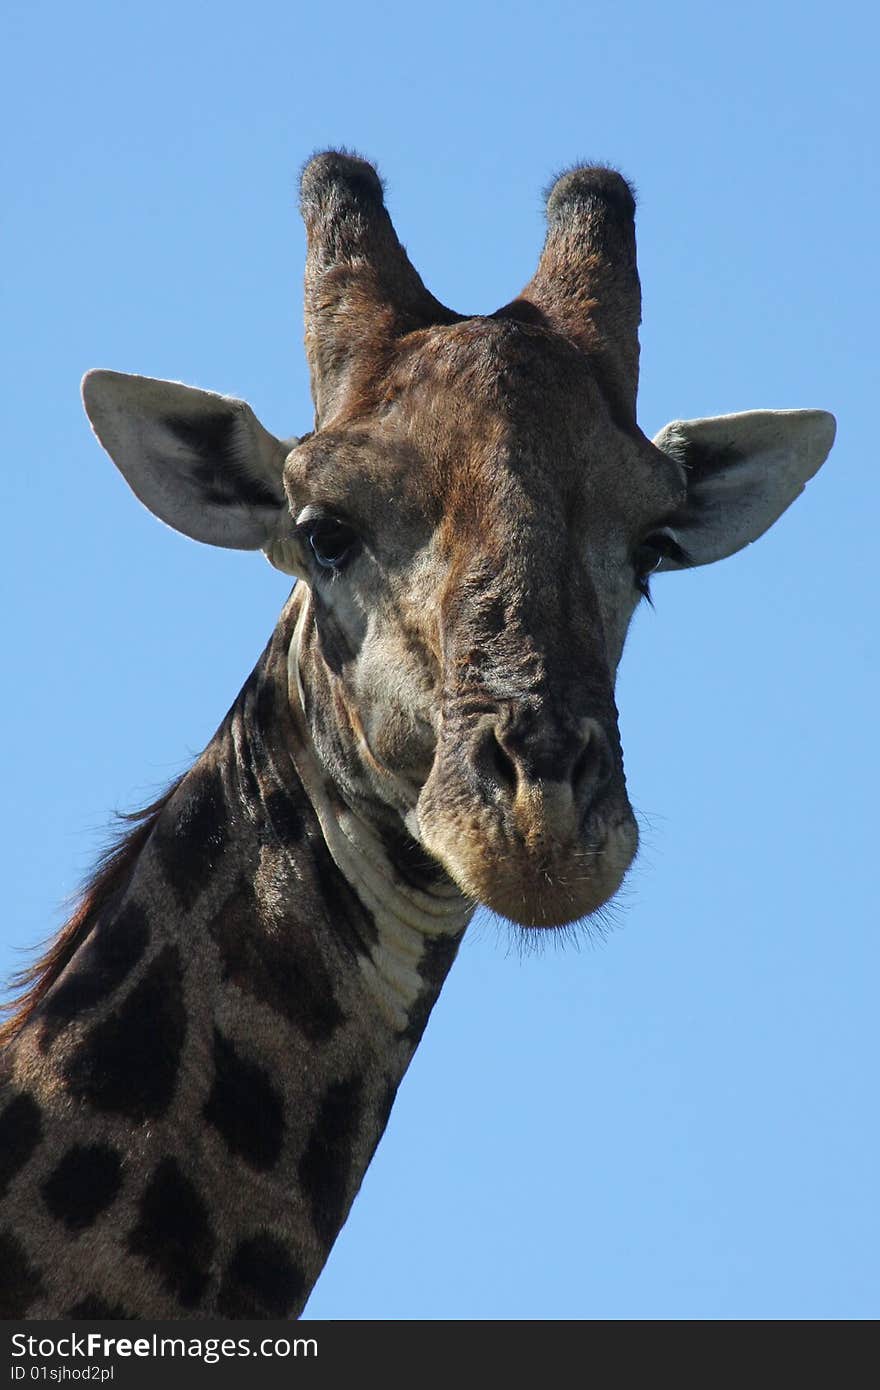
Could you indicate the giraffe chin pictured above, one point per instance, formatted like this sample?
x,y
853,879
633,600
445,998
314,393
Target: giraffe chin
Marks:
x,y
540,890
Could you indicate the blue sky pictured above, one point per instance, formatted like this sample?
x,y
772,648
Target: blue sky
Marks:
x,y
679,1121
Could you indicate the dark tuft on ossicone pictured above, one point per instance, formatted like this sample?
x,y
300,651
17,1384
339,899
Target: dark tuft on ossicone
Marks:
x,y
338,177
578,190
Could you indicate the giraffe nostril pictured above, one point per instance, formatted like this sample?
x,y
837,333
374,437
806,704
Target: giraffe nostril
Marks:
x,y
582,764
504,761
503,766
493,763
593,766
501,763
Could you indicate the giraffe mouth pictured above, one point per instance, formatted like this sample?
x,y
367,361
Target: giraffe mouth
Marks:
x,y
519,862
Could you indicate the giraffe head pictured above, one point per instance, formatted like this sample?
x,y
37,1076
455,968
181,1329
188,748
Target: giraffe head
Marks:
x,y
474,519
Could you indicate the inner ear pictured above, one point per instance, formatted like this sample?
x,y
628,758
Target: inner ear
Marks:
x,y
743,471
199,461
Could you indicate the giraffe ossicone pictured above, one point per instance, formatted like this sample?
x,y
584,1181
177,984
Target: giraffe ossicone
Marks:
x,y
199,1070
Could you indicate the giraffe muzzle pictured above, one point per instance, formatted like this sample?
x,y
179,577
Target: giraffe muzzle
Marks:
x,y
532,820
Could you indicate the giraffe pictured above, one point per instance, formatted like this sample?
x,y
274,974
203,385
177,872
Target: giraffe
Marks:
x,y
199,1069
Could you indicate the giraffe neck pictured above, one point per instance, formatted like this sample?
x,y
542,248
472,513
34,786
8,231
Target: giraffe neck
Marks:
x,y
195,1101
412,903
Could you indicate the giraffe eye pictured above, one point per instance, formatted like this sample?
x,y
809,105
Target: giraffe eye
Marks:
x,y
332,541
649,555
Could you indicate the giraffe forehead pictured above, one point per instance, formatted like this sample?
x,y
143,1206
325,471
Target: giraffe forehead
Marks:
x,y
455,431
483,396
487,422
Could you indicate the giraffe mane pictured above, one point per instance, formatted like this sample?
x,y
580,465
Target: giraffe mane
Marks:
x,y
111,873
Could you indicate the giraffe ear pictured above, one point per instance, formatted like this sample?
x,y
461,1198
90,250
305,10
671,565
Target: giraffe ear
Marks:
x,y
743,471
201,462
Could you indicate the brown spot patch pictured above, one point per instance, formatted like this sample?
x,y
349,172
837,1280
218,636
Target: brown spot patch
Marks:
x,y
21,1129
193,833
128,1063
20,1283
99,967
245,1107
173,1234
262,1280
277,963
437,956
325,1167
82,1185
